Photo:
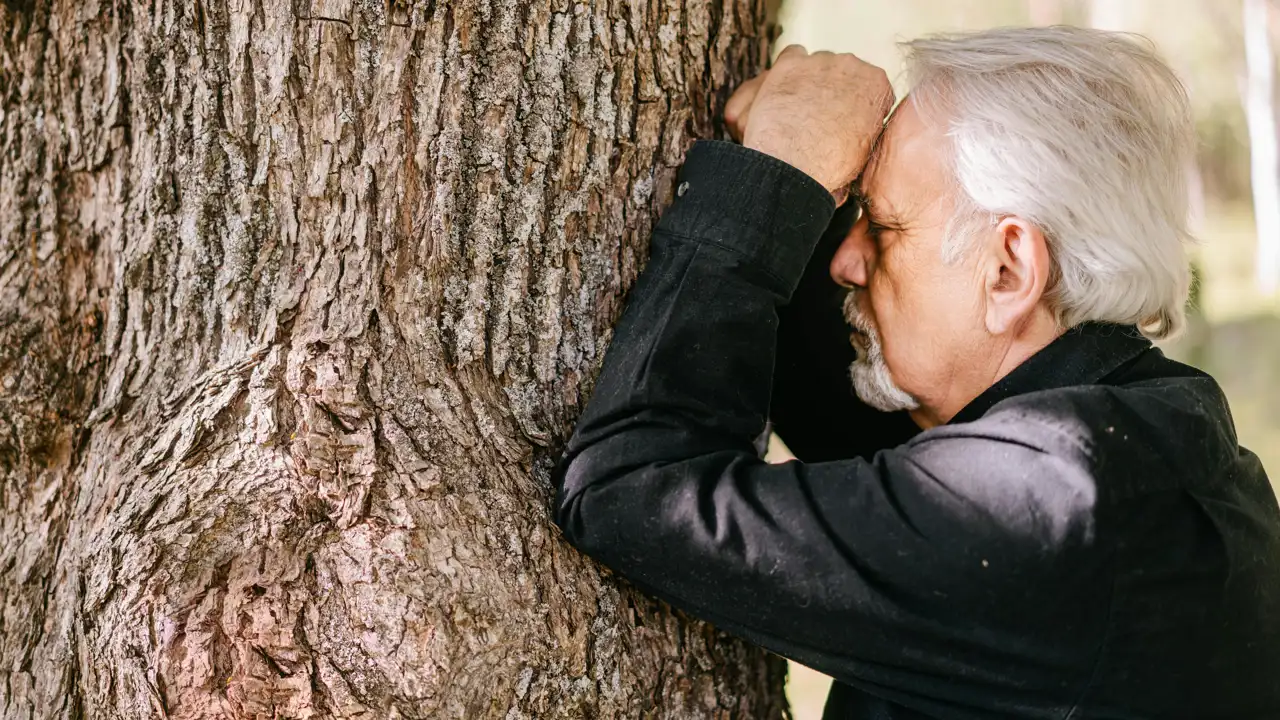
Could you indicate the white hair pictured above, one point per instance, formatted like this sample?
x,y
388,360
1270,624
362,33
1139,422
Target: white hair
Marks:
x,y
1088,135
872,380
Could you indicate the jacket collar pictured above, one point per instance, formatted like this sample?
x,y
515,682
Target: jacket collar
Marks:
x,y
1082,355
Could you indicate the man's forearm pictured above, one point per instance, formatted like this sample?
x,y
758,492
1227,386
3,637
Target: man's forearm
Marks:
x,y
688,377
686,342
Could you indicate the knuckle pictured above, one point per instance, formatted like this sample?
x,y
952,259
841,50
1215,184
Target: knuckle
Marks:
x,y
854,62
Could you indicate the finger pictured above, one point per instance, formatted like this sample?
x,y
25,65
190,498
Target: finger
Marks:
x,y
790,52
739,105
738,128
888,100
841,195
889,97
742,98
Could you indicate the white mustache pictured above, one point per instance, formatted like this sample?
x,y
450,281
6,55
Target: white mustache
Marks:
x,y
871,377
857,319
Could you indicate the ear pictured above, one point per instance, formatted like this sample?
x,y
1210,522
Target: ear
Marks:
x,y
1016,273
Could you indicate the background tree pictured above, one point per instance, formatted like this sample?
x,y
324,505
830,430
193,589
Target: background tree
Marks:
x,y
1264,139
298,300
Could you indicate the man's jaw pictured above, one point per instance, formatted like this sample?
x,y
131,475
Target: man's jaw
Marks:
x,y
875,386
870,374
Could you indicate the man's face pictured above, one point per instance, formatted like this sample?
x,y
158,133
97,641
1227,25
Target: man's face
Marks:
x,y
920,318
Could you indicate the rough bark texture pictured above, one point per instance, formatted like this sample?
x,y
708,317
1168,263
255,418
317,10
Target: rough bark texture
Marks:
x,y
298,300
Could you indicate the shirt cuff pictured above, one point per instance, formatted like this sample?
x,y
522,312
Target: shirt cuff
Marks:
x,y
754,204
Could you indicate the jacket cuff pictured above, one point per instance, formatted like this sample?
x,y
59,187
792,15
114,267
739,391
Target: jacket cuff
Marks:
x,y
770,212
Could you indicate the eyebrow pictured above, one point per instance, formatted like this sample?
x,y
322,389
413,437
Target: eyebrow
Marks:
x,y
878,216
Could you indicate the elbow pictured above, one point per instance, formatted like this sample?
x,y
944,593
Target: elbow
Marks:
x,y
566,511
588,506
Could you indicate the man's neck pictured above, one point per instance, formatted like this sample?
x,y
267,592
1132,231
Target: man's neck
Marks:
x,y
1003,355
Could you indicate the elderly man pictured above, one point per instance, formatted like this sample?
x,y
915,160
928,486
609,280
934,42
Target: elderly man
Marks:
x,y
1066,526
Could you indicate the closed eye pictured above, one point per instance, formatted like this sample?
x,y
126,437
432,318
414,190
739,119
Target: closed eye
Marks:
x,y
874,229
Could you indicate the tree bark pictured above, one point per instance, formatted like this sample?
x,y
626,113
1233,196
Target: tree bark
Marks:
x,y
298,301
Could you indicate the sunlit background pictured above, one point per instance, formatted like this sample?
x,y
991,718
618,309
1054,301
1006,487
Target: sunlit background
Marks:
x,y
1225,51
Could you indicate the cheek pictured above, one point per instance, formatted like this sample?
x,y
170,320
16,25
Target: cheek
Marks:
x,y
919,315
903,320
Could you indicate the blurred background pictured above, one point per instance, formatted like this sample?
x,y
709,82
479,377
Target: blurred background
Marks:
x,y
1225,51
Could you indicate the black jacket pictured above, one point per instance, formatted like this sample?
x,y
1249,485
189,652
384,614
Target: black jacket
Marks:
x,y
1085,540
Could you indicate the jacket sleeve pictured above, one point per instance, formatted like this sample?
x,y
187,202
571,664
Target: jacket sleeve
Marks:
x,y
874,570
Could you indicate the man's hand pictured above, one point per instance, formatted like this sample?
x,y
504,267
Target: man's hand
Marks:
x,y
819,113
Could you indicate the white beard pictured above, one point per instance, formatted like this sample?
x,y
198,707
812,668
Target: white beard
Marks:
x,y
871,378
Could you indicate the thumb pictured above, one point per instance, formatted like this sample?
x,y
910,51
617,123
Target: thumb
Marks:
x,y
739,105
790,52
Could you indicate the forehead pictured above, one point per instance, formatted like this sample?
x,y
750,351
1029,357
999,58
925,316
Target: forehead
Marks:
x,y
908,168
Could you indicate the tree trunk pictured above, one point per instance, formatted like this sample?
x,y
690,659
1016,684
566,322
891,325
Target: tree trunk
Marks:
x,y
298,301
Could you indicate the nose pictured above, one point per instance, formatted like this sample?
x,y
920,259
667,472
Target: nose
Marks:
x,y
854,260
